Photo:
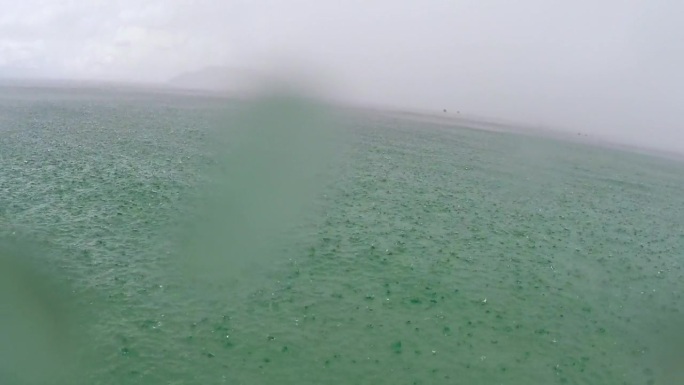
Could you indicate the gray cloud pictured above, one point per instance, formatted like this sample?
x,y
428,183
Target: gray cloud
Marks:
x,y
609,68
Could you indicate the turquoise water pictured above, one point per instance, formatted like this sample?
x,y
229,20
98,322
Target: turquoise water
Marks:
x,y
430,254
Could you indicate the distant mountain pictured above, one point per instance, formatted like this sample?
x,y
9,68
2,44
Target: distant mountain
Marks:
x,y
218,79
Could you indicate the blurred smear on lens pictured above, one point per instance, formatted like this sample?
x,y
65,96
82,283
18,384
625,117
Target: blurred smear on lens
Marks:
x,y
272,158
39,338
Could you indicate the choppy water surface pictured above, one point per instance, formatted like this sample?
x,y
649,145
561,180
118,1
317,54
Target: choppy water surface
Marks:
x,y
435,255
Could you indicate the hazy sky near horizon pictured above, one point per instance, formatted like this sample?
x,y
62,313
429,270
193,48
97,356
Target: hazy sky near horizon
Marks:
x,y
609,68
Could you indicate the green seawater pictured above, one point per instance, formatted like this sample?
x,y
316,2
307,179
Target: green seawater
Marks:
x,y
431,255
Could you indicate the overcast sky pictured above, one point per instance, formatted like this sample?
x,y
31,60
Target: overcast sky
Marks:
x,y
604,67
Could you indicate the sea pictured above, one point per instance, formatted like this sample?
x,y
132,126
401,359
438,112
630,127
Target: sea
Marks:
x,y
154,237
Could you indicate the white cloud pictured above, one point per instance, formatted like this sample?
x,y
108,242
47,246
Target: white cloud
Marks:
x,y
27,54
